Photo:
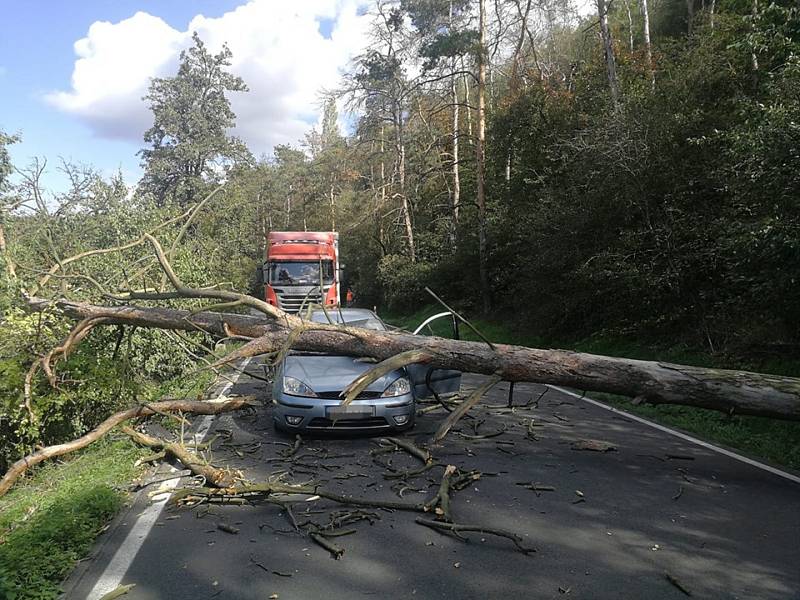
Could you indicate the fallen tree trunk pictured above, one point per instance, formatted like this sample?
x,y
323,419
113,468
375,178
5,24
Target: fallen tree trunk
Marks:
x,y
145,410
161,318
739,392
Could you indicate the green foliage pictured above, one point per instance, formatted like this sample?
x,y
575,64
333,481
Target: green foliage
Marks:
x,y
112,368
672,219
5,159
448,46
93,381
50,522
404,282
192,114
443,28
376,68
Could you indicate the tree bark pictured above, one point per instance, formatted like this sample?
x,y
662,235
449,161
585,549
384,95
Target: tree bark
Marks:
x,y
738,392
753,55
12,273
288,206
456,194
333,207
608,49
383,189
213,323
480,155
217,477
515,61
400,147
206,408
648,49
630,24
467,100
456,167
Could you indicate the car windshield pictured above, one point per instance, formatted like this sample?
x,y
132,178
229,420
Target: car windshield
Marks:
x,y
299,272
363,319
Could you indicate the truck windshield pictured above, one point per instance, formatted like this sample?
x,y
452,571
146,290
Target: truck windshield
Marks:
x,y
299,273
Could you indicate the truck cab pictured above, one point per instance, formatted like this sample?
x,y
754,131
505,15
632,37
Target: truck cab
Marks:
x,y
301,269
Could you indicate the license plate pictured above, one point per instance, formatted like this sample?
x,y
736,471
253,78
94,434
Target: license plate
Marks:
x,y
350,412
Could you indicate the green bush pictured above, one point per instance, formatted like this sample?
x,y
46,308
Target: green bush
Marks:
x,y
105,373
404,282
50,522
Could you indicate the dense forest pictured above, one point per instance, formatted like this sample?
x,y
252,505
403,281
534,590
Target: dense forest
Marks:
x,y
633,171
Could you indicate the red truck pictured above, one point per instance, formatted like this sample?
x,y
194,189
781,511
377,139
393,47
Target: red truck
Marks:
x,y
302,268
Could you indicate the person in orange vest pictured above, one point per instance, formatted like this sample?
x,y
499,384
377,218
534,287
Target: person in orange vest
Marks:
x,y
349,297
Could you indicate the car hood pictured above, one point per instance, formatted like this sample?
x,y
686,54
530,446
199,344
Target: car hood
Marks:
x,y
333,373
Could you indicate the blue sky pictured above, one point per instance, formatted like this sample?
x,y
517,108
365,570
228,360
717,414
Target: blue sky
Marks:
x,y
38,57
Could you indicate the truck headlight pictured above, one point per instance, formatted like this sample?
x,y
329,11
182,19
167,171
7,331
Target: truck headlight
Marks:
x,y
295,387
399,387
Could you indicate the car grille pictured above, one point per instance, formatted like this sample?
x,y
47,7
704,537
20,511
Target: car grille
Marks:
x,y
291,303
372,422
367,395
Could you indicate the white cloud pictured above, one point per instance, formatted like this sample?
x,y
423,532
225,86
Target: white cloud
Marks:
x,y
277,48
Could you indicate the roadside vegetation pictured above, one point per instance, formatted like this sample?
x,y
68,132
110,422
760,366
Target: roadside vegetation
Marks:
x,y
51,522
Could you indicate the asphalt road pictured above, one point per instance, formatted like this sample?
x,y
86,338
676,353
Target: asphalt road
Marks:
x,y
655,514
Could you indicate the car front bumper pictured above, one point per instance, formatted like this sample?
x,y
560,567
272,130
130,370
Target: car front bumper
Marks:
x,y
323,414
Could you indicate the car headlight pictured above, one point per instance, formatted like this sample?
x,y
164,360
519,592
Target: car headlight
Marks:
x,y
295,387
399,387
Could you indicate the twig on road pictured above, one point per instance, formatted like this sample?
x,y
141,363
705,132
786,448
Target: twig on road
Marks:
x,y
456,529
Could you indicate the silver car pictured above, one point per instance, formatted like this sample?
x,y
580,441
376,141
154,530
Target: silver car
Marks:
x,y
307,386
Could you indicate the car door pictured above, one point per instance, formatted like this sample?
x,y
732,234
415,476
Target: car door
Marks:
x,y
429,381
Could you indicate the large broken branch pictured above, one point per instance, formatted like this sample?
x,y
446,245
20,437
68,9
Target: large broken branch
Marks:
x,y
80,331
216,477
261,491
167,406
227,296
739,392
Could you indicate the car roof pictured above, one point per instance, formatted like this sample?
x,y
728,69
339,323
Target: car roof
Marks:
x,y
346,315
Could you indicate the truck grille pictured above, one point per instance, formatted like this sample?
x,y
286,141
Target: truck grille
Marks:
x,y
291,303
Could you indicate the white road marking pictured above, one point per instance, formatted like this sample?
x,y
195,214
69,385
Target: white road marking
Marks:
x,y
683,436
116,569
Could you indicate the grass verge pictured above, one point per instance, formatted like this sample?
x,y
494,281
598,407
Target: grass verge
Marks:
x,y
51,521
771,440
774,441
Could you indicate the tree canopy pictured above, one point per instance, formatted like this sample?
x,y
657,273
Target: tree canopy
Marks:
x,y
190,144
